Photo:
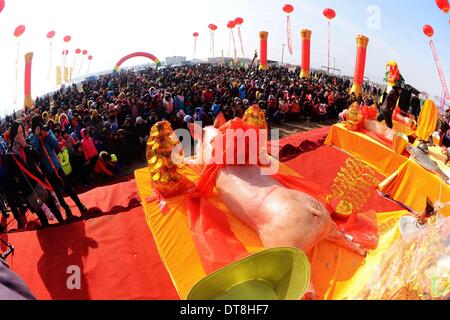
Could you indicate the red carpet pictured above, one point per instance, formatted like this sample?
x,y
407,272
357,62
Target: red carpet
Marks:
x,y
101,200
115,253
322,165
116,256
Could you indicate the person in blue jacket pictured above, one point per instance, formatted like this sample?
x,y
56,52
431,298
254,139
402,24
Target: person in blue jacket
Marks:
x,y
45,142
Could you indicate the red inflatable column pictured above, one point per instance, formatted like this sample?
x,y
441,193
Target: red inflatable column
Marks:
x,y
361,42
263,35
306,53
27,88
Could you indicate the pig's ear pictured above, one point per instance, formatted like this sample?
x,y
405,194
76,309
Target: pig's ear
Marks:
x,y
196,131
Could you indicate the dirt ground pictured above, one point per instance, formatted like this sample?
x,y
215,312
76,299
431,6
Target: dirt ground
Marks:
x,y
291,128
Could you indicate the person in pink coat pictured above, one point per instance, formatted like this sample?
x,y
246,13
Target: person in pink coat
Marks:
x,y
89,150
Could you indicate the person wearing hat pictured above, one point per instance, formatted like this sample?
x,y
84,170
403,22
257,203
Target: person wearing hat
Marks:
x,y
44,141
75,125
23,164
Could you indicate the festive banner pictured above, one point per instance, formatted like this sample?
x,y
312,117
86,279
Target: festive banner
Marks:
x,y
330,14
213,28
440,72
239,21
231,25
18,32
58,76
289,9
195,35
66,75
50,36
27,87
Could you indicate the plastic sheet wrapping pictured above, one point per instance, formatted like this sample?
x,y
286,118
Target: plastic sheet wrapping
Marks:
x,y
417,270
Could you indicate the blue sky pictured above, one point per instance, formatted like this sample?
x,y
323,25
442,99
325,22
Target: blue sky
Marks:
x,y
111,29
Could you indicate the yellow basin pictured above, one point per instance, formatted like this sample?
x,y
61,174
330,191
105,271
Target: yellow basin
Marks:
x,y
273,274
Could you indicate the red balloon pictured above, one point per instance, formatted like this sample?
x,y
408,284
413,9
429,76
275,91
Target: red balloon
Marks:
x,y
231,24
51,34
67,38
289,8
238,21
85,52
195,34
19,31
90,58
329,13
78,51
2,5
428,30
443,5
212,27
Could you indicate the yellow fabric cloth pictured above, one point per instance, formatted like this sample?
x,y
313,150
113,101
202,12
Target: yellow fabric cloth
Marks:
x,y
365,148
411,184
336,272
173,237
427,120
343,273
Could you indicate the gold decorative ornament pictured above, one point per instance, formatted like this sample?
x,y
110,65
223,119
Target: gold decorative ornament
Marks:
x,y
416,270
165,159
350,190
401,141
255,116
354,118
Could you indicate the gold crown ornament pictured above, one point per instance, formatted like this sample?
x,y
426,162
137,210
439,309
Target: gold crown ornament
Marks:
x,y
165,159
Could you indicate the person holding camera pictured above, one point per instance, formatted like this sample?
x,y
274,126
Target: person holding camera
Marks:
x,y
23,165
44,141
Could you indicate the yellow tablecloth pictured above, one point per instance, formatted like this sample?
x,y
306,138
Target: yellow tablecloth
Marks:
x,y
407,182
361,146
411,185
336,272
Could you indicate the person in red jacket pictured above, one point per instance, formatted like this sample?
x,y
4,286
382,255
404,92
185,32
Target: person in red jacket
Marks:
x,y
89,151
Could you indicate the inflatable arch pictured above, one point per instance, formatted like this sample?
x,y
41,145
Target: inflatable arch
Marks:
x,y
134,55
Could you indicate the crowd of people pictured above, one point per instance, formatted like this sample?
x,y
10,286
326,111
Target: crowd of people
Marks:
x,y
88,130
